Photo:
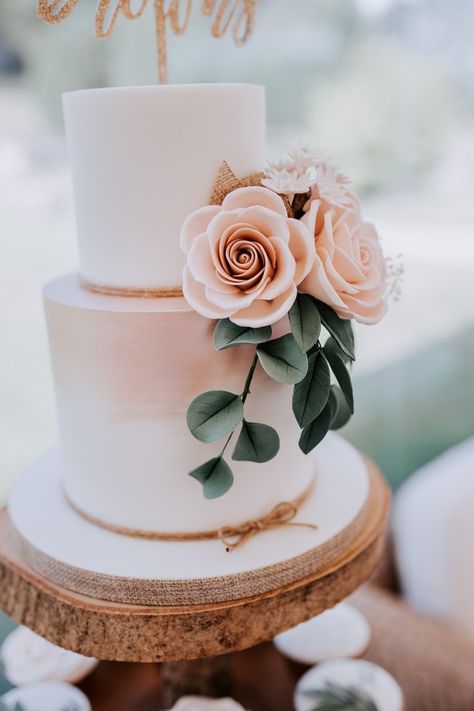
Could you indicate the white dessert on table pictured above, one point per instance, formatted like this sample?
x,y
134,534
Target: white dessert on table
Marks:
x,y
46,696
27,658
433,533
341,632
373,683
201,703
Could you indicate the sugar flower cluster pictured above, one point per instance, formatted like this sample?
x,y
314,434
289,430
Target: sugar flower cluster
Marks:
x,y
300,230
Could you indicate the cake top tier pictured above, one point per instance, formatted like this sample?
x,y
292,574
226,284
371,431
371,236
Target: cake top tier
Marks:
x,y
142,159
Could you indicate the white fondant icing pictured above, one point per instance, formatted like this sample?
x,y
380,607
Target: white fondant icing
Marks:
x,y
143,159
42,516
337,633
125,372
377,683
28,658
47,696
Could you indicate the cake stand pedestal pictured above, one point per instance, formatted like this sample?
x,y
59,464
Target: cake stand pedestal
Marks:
x,y
123,632
132,633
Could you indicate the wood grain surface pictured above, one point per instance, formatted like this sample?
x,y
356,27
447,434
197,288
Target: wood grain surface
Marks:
x,y
150,634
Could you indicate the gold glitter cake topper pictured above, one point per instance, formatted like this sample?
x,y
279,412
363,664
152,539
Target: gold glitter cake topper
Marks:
x,y
238,16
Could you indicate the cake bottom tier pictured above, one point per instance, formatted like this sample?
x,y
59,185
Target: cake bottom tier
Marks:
x,y
71,552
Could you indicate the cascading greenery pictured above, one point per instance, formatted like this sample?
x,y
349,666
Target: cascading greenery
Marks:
x,y
299,358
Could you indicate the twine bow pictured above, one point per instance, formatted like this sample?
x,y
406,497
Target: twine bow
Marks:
x,y
231,536
281,515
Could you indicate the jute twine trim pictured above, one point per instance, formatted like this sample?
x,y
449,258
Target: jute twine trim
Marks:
x,y
231,536
193,591
137,293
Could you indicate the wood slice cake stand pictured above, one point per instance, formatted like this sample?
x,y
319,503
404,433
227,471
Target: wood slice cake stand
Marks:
x,y
136,633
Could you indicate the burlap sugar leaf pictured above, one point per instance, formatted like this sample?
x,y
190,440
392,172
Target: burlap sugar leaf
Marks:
x,y
227,182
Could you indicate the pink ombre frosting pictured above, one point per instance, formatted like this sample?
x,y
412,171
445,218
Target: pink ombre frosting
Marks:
x,y
349,271
125,370
245,258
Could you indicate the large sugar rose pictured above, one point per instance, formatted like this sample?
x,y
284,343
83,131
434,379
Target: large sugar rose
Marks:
x,y
349,270
246,258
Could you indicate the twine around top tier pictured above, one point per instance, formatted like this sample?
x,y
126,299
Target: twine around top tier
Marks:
x,y
167,292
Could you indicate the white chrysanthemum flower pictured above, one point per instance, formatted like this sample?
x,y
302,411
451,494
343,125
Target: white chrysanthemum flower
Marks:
x,y
330,184
306,156
281,165
286,182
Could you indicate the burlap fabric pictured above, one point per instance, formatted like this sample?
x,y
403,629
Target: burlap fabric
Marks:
x,y
433,663
227,181
198,591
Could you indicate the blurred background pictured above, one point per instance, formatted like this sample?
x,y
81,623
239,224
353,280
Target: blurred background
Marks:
x,y
385,86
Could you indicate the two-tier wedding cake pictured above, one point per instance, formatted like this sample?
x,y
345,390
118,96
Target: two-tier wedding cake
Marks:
x,y
163,489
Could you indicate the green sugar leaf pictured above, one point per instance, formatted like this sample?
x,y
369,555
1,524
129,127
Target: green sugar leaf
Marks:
x,y
332,345
227,334
340,411
214,414
340,329
283,360
257,443
215,476
343,377
311,394
305,321
316,431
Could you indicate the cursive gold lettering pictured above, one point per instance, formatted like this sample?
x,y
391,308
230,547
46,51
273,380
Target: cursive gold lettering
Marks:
x,y
55,10
240,14
106,17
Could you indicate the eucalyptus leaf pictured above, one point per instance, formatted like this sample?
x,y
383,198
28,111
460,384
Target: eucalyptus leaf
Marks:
x,y
257,443
340,411
343,377
214,414
283,360
333,346
316,431
227,334
215,476
340,329
305,321
311,394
